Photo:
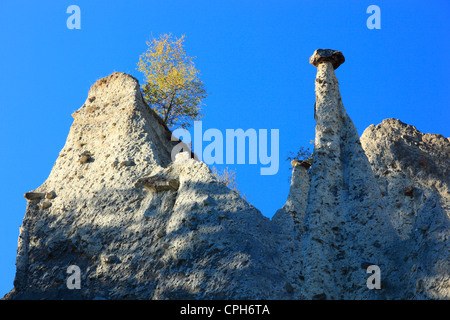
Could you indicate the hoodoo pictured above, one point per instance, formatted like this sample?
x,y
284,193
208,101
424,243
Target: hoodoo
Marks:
x,y
344,222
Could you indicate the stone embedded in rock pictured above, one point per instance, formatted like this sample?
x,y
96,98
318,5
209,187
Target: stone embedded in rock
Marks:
x,y
157,184
91,109
110,258
302,163
321,55
409,191
34,195
85,157
45,204
127,163
320,296
50,195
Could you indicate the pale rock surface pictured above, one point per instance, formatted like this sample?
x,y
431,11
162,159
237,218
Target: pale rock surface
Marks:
x,y
345,223
142,223
295,206
197,241
290,220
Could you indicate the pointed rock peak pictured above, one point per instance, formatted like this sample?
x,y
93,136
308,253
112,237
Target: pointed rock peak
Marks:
x,y
116,206
321,55
107,90
115,139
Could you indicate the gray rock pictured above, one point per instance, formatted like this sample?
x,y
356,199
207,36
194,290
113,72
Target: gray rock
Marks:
x,y
127,163
193,238
158,184
50,195
417,200
34,195
45,204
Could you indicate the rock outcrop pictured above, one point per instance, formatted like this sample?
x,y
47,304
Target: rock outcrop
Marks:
x,y
143,224
343,198
413,173
136,223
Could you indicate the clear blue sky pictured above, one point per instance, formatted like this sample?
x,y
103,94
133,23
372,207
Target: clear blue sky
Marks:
x,y
253,56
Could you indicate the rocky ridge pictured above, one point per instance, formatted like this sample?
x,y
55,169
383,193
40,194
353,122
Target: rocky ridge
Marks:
x,y
143,224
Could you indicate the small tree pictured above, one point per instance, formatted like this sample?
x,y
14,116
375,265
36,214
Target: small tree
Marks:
x,y
171,82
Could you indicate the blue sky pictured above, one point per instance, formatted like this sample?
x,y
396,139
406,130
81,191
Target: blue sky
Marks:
x,y
253,57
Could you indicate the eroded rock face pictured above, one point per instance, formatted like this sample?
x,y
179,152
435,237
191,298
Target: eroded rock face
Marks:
x,y
176,234
413,173
382,200
406,163
142,225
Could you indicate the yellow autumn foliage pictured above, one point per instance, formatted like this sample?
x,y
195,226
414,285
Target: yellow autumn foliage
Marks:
x,y
171,82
